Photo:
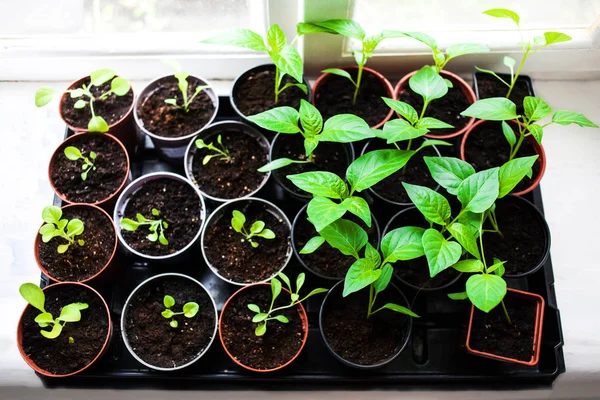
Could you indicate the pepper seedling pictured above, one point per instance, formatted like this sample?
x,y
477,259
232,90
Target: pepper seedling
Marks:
x,y
257,229
156,227
190,309
218,151
342,128
286,58
262,318
55,227
118,86
183,85
37,299
74,154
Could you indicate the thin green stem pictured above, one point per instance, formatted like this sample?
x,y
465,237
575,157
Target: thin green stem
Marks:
x,y
518,145
358,80
506,312
371,300
277,74
453,221
516,76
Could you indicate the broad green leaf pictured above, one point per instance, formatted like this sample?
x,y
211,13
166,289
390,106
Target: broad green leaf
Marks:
x,y
402,244
75,227
70,313
322,212
62,248
51,214
537,132
97,124
312,245
257,227
384,279
300,86
346,236
345,128
432,123
260,330
497,268
421,37
79,104
266,234
167,314
371,168
556,37
431,204
285,280
404,109
260,317
511,173
360,275
238,220
478,192
510,63
440,253
428,83
281,318
458,296
449,172
563,117
503,13
321,183
338,72
275,288
120,86
190,309
276,38
359,207
289,61
276,164
244,38
536,108
486,291
345,27
54,333
280,119
464,235
44,96
254,307
492,109
310,118
300,281
372,254
469,266
47,229
398,130
316,291
129,224
168,301
399,309
44,319
33,295
100,76
465,48
371,42
472,221
509,134
302,28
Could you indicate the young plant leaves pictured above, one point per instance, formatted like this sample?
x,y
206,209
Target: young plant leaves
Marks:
x,y
345,128
503,13
485,291
462,49
244,38
511,173
44,96
360,275
346,236
280,119
492,109
536,108
344,27
469,266
465,237
428,83
509,134
384,279
563,117
33,295
440,253
312,245
431,204
404,109
371,168
322,212
310,118
403,244
321,183
359,207
479,191
449,172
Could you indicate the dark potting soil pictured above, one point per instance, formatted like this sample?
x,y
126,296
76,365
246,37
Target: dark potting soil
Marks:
x,y
256,93
489,86
179,206
149,333
237,260
80,262
102,182
112,109
58,356
277,346
523,244
237,177
360,340
446,109
166,120
486,147
491,333
336,93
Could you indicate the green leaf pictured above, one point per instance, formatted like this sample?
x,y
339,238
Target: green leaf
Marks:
x,y
300,86
345,27
404,109
346,236
536,108
472,221
458,296
97,124
276,38
259,317
54,333
243,38
440,253
316,291
511,173
289,61
398,130
556,37
153,237
431,204
285,280
257,227
497,268
486,291
129,224
469,266
280,119
174,324
260,330
190,309
310,144
238,220
428,83
465,48
44,319
464,235
155,212
76,93
509,134
266,234
120,86
503,13
100,76
51,214
47,229
282,319
300,281
563,117
321,183
61,249
492,109
92,155
384,279
372,254
168,301
310,117
254,307
432,123
449,172
322,212
399,309
312,245
75,227
70,313
537,132
432,142
303,28
478,192
275,288
43,96
167,314
359,207
421,37
403,244
339,72
371,168
345,128
276,164
33,295
360,275
510,63
79,104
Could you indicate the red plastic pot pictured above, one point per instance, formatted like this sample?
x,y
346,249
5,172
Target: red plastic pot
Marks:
x,y
539,149
100,353
384,82
464,87
537,335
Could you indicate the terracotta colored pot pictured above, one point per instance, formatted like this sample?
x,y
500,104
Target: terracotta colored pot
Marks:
x,y
464,87
109,201
301,313
98,356
38,239
384,82
537,338
539,149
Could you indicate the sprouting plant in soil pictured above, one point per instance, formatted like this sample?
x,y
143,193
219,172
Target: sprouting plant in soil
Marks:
x,y
68,313
257,229
183,85
118,86
189,310
262,318
286,58
155,226
55,227
218,150
74,154
342,128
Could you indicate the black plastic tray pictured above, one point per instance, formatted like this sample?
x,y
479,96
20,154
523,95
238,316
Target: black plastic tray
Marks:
x,y
506,77
434,358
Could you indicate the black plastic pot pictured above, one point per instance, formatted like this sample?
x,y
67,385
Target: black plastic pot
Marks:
x,y
477,76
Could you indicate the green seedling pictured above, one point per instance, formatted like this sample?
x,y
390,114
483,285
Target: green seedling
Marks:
x,y
118,87
74,154
190,310
256,230
342,128
69,313
183,85
262,318
156,227
219,150
286,58
55,227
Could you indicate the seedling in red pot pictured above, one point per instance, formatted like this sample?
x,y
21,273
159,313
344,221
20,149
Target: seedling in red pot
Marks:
x,y
156,227
219,150
55,227
183,85
190,310
74,154
256,230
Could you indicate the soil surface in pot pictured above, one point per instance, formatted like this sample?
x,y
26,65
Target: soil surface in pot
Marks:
x,y
489,86
256,92
80,262
360,340
166,120
237,177
179,206
151,336
491,333
486,147
110,173
446,109
335,96
239,261
112,109
277,346
58,356
523,244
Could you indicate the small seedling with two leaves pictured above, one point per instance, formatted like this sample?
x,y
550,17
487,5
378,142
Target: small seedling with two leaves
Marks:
x,y
156,227
118,86
219,150
190,309
262,318
55,227
74,154
256,230
183,85
37,299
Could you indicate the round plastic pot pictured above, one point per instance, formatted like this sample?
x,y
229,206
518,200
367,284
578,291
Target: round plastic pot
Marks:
x,y
107,202
209,135
539,149
336,290
104,273
537,338
126,308
463,86
123,200
98,356
382,79
172,149
219,213
301,313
